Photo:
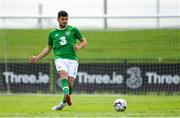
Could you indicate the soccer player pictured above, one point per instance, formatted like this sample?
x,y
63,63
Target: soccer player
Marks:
x,y
63,42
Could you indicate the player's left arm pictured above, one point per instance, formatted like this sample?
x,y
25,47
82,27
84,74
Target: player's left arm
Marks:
x,y
81,45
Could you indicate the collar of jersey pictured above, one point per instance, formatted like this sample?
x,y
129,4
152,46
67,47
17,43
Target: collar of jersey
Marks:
x,y
63,28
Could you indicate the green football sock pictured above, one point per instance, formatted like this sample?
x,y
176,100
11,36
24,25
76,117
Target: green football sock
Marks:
x,y
65,86
70,91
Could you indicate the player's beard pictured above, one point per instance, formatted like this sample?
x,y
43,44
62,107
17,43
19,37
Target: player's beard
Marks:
x,y
63,25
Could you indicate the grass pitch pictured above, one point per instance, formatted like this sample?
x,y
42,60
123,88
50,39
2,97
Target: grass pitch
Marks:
x,y
148,44
89,106
163,44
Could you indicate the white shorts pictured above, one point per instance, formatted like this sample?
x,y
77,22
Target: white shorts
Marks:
x,y
70,66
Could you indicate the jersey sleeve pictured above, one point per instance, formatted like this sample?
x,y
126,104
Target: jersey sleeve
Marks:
x,y
50,40
78,34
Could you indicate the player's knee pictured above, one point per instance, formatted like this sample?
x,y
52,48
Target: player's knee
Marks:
x,y
62,74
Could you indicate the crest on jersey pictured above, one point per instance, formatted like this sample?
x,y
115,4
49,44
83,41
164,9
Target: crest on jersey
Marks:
x,y
67,33
56,35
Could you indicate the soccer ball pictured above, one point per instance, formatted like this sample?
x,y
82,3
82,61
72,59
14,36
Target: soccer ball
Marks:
x,y
120,105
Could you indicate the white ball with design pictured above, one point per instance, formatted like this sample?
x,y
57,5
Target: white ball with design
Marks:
x,y
120,105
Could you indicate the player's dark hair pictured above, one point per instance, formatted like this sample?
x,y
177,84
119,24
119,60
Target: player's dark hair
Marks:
x,y
62,13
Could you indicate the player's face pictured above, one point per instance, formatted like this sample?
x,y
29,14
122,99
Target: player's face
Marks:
x,y
63,21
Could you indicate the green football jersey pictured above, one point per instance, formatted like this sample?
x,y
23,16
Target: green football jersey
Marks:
x,y
63,41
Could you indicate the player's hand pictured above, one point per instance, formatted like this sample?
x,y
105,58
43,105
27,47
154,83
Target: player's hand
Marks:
x,y
76,48
33,60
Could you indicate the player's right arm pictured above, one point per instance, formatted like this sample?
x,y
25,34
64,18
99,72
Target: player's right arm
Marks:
x,y
44,52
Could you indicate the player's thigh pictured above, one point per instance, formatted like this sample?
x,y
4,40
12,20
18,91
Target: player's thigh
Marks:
x,y
61,67
73,68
